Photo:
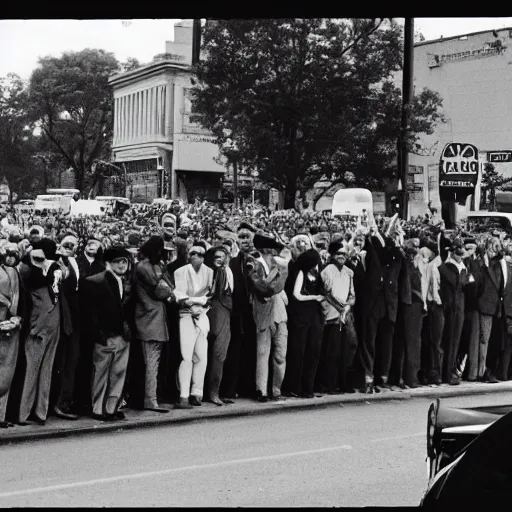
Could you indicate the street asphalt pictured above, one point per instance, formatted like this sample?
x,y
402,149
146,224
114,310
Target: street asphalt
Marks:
x,y
362,453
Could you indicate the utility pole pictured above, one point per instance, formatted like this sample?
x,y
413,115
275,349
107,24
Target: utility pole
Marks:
x,y
407,98
196,41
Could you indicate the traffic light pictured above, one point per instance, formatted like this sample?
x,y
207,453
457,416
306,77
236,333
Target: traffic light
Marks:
x,y
196,41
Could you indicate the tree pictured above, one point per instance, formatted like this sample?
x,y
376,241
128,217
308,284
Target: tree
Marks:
x,y
304,98
130,64
492,180
17,142
72,103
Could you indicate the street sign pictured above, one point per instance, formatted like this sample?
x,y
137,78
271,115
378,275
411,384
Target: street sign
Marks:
x,y
458,166
499,156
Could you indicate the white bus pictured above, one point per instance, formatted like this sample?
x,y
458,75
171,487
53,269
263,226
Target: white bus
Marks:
x,y
354,202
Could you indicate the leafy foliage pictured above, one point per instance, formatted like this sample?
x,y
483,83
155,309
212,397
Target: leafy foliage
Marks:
x,y
71,101
299,99
492,180
16,139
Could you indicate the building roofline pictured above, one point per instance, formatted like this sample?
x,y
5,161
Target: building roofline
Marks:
x,y
451,38
148,69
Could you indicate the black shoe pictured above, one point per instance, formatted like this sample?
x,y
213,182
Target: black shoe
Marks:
x,y
119,415
260,397
278,398
307,395
454,381
103,417
64,413
228,400
183,403
216,400
36,419
195,401
4,424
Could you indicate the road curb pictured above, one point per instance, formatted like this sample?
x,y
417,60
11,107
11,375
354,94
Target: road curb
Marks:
x,y
239,409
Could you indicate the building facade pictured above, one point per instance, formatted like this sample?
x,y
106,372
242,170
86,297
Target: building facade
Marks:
x,y
157,140
473,75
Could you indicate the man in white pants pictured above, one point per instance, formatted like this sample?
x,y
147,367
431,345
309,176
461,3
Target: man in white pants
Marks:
x,y
194,284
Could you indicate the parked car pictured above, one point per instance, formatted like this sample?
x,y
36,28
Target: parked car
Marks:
x,y
469,455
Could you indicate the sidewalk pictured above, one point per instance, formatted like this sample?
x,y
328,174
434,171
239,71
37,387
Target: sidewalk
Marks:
x,y
56,427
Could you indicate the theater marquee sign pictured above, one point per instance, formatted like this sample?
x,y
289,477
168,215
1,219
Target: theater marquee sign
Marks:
x,y
458,166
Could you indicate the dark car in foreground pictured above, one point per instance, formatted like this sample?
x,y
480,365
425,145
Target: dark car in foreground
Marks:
x,y
469,456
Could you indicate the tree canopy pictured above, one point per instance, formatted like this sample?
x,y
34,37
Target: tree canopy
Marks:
x,y
299,99
17,142
72,103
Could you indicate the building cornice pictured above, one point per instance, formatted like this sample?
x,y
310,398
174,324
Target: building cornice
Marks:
x,y
451,38
147,71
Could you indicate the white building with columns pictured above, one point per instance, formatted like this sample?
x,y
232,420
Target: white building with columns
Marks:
x,y
156,139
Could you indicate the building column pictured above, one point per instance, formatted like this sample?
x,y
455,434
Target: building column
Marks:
x,y
121,119
139,95
163,97
128,117
133,116
144,113
169,115
153,110
178,108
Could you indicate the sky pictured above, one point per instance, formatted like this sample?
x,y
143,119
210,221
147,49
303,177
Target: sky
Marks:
x,y
23,41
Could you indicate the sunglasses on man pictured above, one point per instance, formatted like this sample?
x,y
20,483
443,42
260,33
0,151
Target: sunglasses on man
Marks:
x,y
196,253
38,259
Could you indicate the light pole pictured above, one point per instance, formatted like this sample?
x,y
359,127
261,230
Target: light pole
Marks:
x,y
407,98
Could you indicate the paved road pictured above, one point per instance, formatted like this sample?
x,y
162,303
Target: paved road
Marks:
x,y
356,455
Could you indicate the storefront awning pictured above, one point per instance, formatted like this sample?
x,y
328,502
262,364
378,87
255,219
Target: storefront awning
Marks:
x,y
196,156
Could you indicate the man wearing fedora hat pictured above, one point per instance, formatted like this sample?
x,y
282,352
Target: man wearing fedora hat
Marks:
x,y
268,274
107,297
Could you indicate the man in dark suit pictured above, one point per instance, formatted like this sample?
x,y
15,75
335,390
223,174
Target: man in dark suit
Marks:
x,y
506,355
89,264
379,305
454,278
490,307
240,366
471,330
107,296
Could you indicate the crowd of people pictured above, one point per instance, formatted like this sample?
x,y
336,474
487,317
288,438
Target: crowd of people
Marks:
x,y
196,303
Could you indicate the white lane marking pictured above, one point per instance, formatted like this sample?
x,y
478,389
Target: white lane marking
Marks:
x,y
147,474
397,438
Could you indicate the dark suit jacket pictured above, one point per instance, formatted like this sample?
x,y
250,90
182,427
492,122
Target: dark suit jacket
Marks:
x,y
87,269
241,281
384,270
452,286
490,289
507,294
105,311
474,266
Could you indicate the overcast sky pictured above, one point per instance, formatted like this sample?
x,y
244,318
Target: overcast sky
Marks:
x,y
23,41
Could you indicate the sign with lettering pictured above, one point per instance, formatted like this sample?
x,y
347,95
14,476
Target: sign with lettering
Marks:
x,y
499,156
496,47
458,166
